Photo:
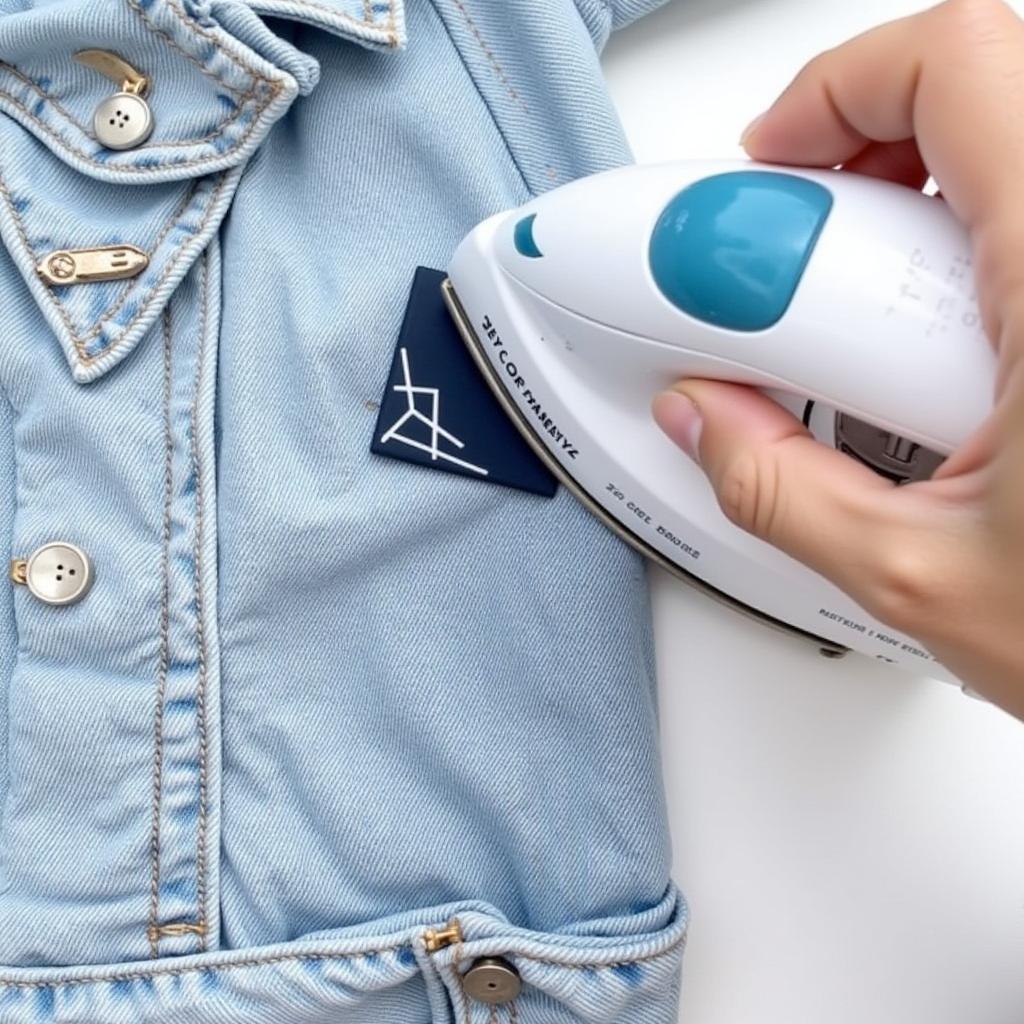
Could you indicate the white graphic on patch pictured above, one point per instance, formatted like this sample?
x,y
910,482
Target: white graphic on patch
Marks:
x,y
433,422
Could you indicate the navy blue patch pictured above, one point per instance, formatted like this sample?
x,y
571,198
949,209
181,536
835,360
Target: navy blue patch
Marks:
x,y
438,410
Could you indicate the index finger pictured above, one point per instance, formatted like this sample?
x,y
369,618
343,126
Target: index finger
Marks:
x,y
951,77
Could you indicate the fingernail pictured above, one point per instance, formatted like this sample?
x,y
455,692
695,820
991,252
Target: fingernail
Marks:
x,y
679,418
751,128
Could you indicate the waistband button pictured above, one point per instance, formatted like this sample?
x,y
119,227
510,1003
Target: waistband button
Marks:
x,y
492,979
57,573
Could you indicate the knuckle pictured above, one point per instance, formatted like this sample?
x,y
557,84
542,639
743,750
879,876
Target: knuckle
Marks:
x,y
815,71
750,493
972,22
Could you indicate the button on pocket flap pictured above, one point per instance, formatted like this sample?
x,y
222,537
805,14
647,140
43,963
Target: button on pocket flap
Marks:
x,y
128,124
138,91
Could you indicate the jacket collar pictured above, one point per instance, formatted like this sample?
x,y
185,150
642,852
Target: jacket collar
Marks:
x,y
48,153
377,24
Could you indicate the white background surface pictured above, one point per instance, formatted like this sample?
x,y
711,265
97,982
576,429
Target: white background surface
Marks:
x,y
851,840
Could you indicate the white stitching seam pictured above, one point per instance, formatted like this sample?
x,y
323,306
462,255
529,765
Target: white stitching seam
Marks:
x,y
164,661
270,95
197,558
49,97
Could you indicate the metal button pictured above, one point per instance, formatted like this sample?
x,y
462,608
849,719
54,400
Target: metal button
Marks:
x,y
492,980
122,121
58,573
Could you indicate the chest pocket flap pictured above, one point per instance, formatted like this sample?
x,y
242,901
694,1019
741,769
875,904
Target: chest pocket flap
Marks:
x,y
101,219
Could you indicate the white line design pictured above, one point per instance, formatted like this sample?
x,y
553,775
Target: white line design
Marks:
x,y
433,421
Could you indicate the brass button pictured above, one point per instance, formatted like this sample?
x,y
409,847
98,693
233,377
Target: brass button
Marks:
x,y
492,980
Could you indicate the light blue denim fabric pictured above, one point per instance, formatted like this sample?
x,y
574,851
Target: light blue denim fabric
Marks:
x,y
317,701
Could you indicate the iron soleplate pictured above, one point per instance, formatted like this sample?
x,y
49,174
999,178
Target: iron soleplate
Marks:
x,y
827,648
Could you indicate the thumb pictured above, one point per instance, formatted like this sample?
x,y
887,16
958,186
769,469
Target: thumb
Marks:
x,y
774,480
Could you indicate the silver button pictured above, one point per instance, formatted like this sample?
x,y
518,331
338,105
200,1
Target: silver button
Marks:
x,y
122,121
492,980
58,573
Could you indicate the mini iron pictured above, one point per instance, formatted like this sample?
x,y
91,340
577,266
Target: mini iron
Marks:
x,y
849,300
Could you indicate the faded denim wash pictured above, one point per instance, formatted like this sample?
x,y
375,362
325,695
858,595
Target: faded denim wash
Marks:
x,y
317,701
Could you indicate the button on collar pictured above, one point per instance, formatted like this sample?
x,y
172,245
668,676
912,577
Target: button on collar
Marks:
x,y
492,980
57,573
122,121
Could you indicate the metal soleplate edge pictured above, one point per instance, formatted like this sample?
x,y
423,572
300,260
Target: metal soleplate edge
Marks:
x,y
827,648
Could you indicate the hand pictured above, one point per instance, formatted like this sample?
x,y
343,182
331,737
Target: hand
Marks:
x,y
942,93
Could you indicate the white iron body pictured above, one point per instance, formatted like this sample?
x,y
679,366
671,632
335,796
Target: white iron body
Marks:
x,y
883,326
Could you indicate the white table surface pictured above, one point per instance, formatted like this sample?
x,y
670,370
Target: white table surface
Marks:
x,y
851,840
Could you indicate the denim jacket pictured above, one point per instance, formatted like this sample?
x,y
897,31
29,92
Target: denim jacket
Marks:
x,y
327,737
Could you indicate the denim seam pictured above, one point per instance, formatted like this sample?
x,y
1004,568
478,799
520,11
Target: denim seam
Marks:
x,y
177,928
341,15
392,36
456,961
487,106
271,95
19,227
97,327
8,982
590,966
172,260
165,599
177,972
243,97
489,54
193,25
549,171
197,560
